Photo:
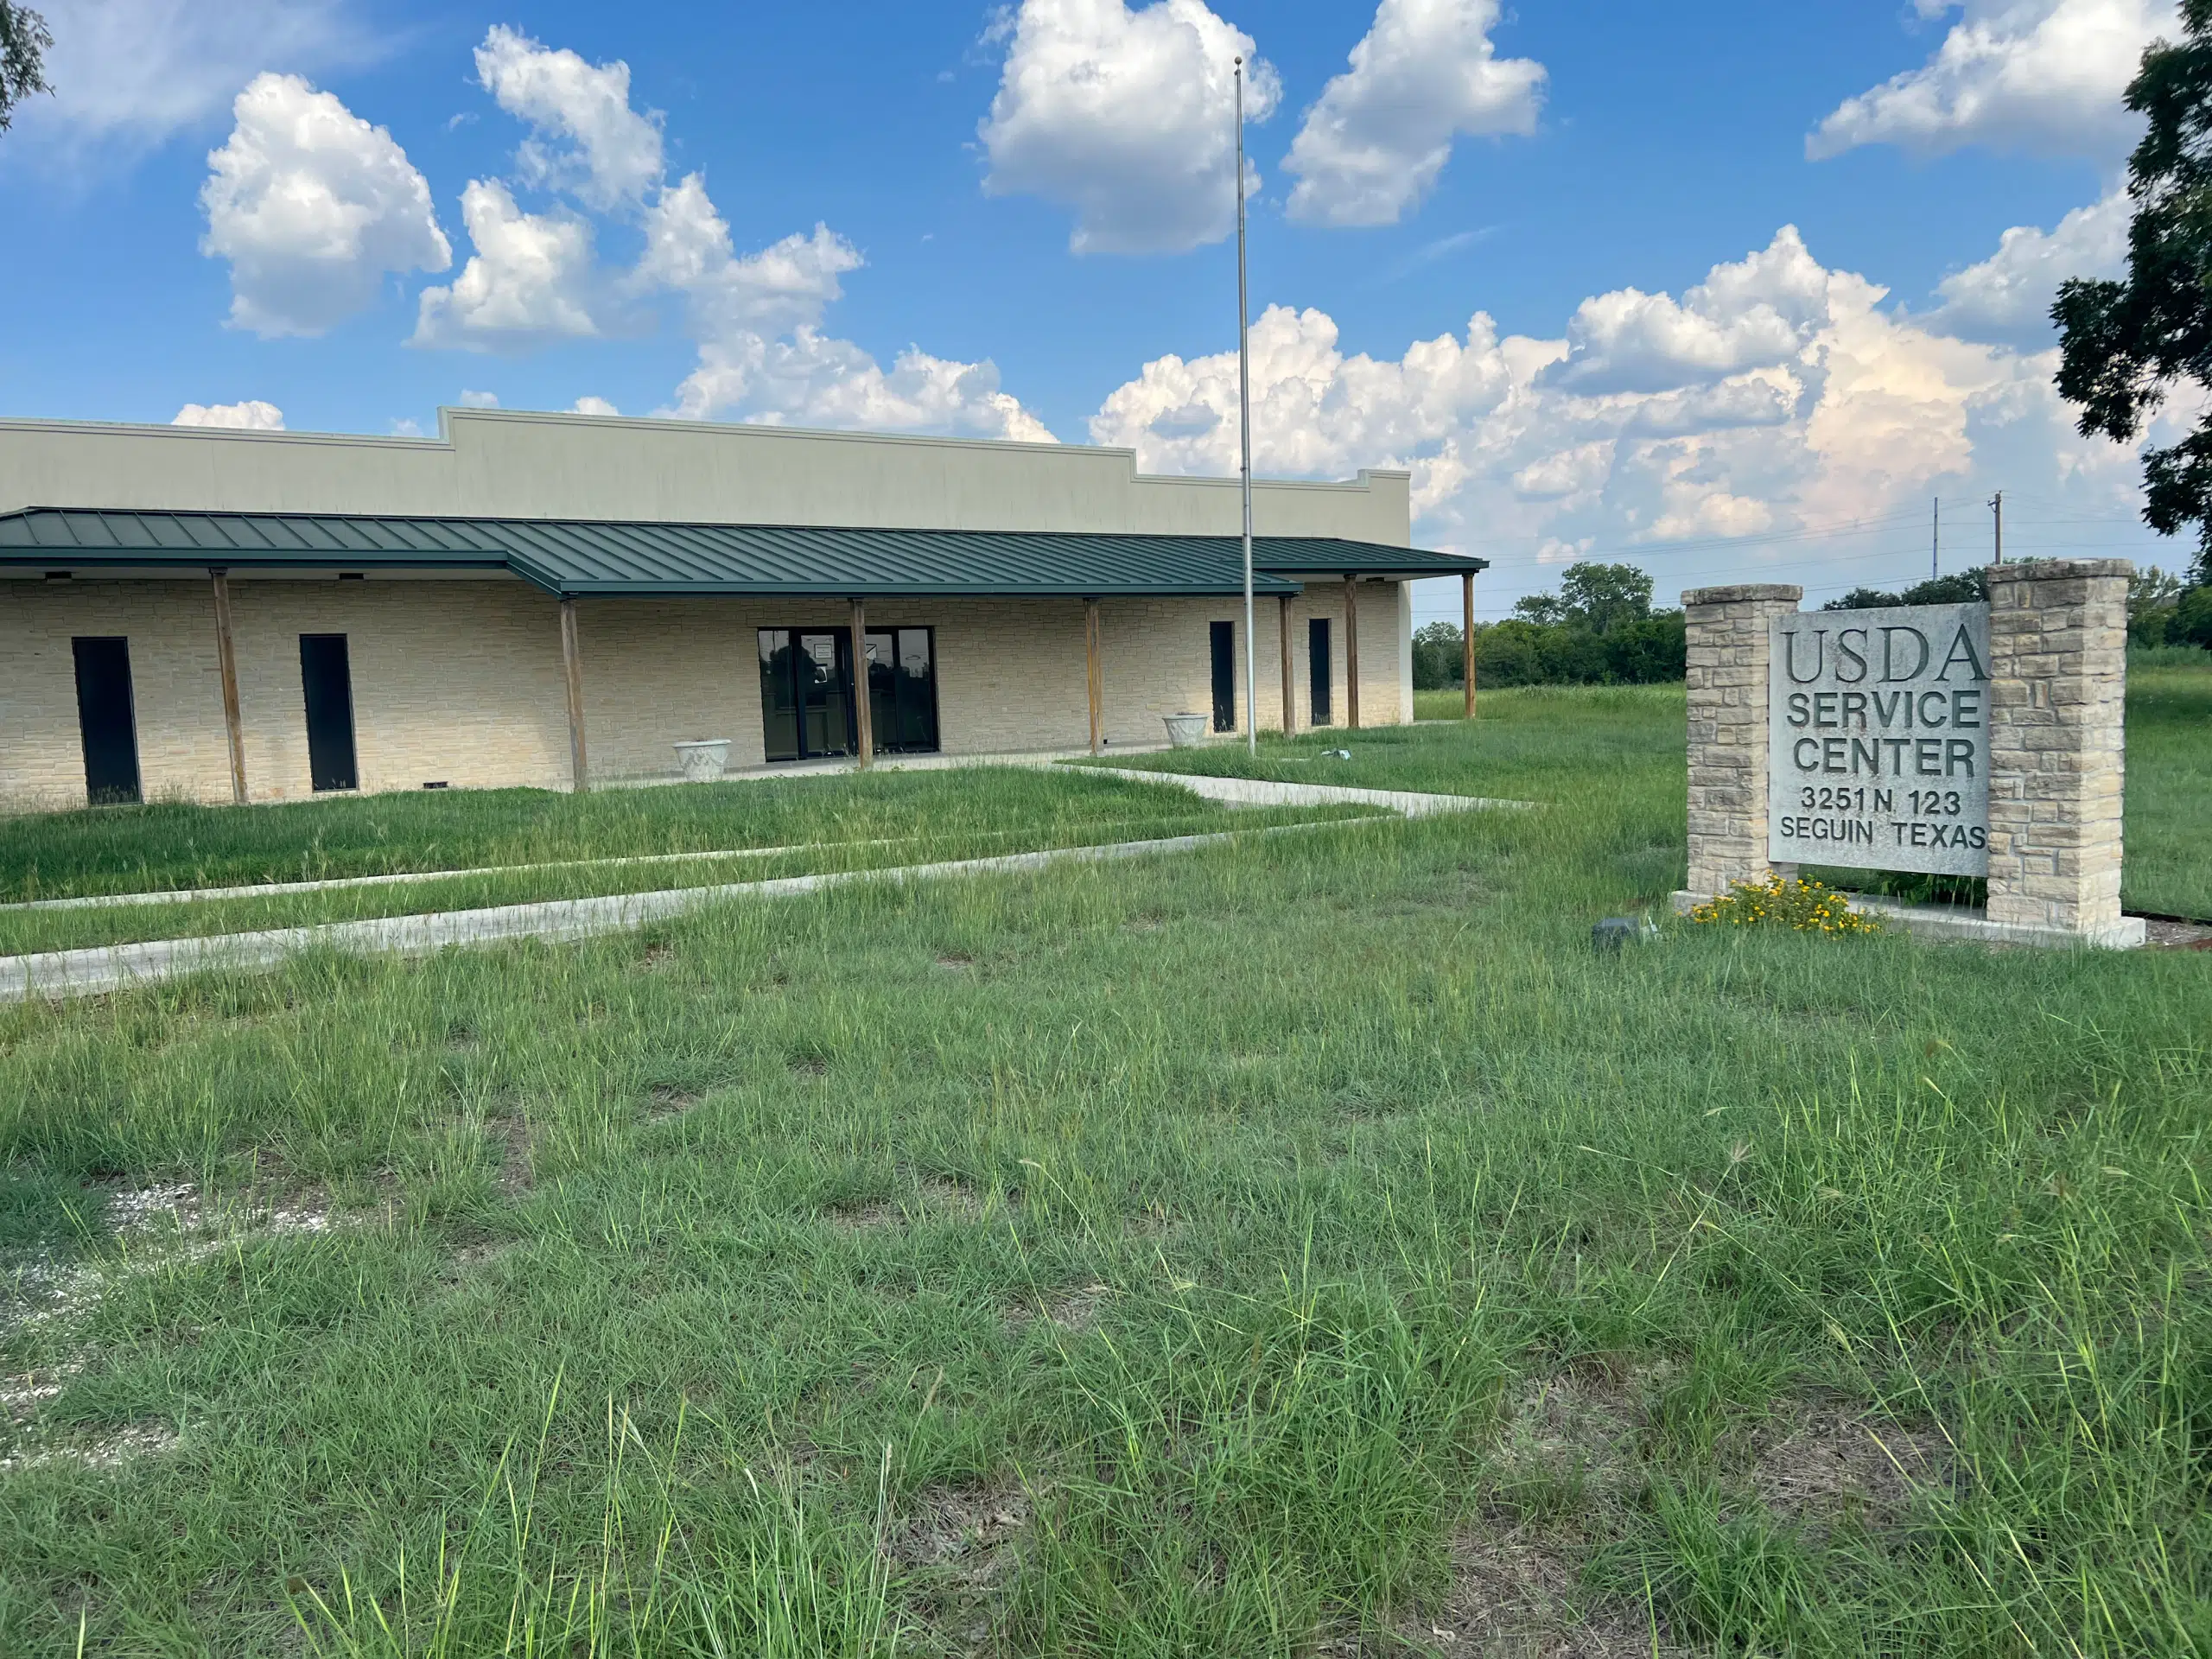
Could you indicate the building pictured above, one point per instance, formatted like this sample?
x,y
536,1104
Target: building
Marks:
x,y
557,600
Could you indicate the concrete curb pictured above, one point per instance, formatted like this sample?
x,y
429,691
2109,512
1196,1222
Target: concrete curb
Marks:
x,y
59,974
398,878
1252,791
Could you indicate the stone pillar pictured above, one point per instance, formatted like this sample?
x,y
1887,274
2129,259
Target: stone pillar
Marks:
x,y
1729,658
2057,746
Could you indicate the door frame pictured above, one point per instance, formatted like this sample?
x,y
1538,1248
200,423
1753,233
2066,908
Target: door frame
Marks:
x,y
855,675
137,795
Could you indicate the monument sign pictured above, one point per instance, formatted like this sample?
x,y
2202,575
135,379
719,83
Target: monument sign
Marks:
x,y
1878,726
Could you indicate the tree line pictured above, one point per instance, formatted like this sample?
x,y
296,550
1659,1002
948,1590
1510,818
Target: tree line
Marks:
x,y
1599,629
2163,609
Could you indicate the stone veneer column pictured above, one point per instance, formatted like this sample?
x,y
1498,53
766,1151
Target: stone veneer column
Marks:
x,y
2057,744
1729,658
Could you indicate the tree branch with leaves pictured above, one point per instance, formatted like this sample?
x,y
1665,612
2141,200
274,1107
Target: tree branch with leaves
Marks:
x,y
24,39
2125,347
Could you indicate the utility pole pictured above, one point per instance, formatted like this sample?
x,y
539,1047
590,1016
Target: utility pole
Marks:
x,y
1244,433
1935,541
1997,506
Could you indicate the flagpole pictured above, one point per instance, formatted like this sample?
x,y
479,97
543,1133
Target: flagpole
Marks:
x,y
1244,434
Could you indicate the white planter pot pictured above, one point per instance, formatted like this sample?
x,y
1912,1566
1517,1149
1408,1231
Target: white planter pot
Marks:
x,y
703,761
1186,731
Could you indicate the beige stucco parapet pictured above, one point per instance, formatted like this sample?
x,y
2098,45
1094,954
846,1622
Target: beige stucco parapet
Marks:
x,y
1729,662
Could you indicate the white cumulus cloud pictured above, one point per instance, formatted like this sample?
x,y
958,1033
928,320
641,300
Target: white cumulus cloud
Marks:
x,y
530,282
688,249
810,380
129,74
585,138
2008,296
252,415
1748,314
756,317
2045,75
1125,117
762,354
1776,395
1425,73
312,206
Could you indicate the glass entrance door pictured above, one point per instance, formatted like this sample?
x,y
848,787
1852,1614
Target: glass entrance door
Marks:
x,y
902,690
806,692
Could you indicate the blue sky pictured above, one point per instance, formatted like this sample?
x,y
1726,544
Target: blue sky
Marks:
x,y
1754,282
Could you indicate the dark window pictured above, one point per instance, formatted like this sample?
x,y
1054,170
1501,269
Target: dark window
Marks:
x,y
328,681
902,690
779,697
105,720
1225,676
806,692
1316,666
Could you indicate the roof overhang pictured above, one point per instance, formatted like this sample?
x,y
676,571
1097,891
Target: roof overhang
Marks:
x,y
582,557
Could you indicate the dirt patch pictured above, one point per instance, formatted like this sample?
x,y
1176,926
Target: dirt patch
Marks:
x,y
1070,1309
1831,1461
669,1101
1516,1596
2177,936
936,1198
109,1450
471,1257
516,1144
964,1546
1567,1443
158,1226
655,956
955,962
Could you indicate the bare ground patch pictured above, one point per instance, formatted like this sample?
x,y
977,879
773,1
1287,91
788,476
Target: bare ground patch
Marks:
x,y
157,1227
964,1546
934,1198
1830,1460
1566,1461
1074,1309
668,1101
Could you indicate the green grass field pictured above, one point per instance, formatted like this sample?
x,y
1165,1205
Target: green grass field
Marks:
x,y
860,824
133,849
1309,1246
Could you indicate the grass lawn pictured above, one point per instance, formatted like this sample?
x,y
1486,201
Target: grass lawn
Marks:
x,y
2169,865
952,815
1307,1246
134,849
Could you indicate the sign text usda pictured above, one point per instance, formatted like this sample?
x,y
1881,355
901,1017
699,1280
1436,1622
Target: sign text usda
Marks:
x,y
1878,738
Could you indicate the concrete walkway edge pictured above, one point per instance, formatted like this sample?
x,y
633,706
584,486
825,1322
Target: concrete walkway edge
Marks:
x,y
59,974
1254,791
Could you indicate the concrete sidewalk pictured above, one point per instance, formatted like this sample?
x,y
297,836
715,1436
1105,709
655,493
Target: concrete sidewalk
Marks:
x,y
59,974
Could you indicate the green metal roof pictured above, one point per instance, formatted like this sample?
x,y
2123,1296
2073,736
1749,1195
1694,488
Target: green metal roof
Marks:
x,y
584,557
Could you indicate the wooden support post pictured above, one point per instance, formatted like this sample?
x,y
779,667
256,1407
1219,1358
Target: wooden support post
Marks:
x,y
1467,639
226,659
572,665
1351,653
863,712
1290,699
1095,674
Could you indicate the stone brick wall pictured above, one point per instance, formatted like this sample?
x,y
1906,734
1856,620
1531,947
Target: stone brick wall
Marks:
x,y
460,681
1010,671
2058,641
455,681
1729,662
